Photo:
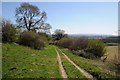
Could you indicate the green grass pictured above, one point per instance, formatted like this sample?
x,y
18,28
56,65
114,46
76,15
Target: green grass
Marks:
x,y
112,53
24,62
0,60
71,71
92,66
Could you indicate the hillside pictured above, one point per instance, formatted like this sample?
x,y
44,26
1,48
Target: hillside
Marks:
x,y
24,62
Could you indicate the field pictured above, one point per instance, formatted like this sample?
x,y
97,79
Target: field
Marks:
x,y
0,60
112,52
24,62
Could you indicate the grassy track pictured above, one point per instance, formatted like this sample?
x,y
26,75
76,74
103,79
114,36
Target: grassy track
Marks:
x,y
71,71
23,62
89,65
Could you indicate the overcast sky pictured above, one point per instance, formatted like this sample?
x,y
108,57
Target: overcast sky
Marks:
x,y
74,17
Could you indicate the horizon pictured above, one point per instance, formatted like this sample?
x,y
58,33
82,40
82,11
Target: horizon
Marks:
x,y
74,17
92,34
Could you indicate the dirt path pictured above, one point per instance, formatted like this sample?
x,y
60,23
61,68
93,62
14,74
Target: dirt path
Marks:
x,y
62,71
85,73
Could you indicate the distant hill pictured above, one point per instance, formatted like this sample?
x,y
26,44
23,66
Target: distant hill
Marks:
x,y
104,38
88,36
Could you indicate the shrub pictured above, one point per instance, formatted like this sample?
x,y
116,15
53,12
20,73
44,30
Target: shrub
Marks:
x,y
84,54
32,39
88,48
78,44
65,42
96,47
73,44
44,37
9,33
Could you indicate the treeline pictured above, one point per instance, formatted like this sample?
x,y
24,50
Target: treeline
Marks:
x,y
88,48
113,39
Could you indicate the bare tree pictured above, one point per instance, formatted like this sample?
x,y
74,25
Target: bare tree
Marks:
x,y
29,16
59,34
45,28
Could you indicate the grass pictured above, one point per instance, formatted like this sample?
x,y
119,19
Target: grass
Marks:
x,y
0,60
112,59
71,71
92,66
112,52
24,62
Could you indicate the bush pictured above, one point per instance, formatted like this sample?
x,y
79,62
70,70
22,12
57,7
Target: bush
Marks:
x,y
9,33
84,54
78,44
65,42
44,37
88,48
31,39
96,47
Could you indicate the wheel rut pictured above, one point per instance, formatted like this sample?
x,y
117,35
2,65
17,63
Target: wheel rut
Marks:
x,y
61,68
85,73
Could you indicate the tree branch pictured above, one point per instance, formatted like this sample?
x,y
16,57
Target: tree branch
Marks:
x,y
38,21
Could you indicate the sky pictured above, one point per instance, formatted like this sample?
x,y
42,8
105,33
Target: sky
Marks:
x,y
74,17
